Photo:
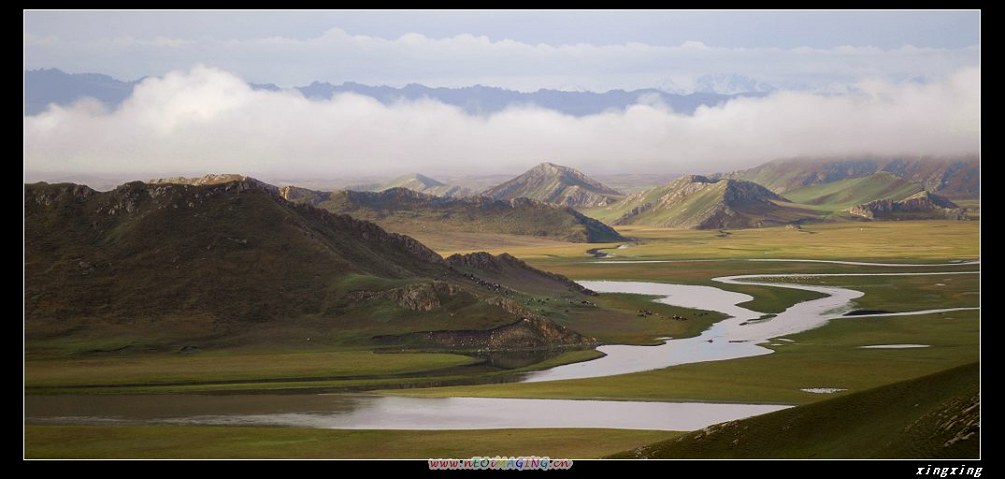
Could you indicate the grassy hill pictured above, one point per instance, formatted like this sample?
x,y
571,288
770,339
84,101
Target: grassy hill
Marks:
x,y
935,416
410,212
843,194
556,184
699,202
166,266
955,177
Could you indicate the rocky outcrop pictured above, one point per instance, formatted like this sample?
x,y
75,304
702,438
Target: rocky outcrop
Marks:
x,y
415,297
527,333
923,205
211,179
626,218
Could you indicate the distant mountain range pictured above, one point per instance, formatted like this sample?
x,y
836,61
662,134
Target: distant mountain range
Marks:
x,y
814,189
562,203
556,184
225,263
45,86
51,86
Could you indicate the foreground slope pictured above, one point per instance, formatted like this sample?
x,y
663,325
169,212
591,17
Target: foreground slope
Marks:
x,y
232,263
407,211
556,184
935,416
700,202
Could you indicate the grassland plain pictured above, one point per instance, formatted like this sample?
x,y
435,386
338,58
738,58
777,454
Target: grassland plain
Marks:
x,y
899,241
168,441
828,357
825,357
305,372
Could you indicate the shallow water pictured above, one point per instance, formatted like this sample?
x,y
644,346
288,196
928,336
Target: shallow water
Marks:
x,y
736,337
338,411
895,346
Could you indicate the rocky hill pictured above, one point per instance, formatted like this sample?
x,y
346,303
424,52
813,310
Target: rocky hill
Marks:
x,y
232,263
922,205
699,202
410,212
555,184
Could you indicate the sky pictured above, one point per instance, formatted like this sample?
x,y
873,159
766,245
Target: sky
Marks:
x,y
844,83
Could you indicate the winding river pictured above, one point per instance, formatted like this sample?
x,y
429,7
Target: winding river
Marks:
x,y
732,338
736,337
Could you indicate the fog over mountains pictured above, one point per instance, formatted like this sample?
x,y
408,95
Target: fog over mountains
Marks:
x,y
190,122
53,86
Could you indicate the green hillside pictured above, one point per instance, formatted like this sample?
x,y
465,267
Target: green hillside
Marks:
x,y
935,416
952,177
699,202
843,194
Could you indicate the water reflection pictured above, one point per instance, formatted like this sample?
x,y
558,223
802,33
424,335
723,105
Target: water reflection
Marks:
x,y
385,412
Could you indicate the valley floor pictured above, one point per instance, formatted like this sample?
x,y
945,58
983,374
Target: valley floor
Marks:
x,y
831,356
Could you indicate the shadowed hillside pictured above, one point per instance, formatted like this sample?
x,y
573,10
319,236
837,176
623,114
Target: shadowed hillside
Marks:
x,y
234,263
936,416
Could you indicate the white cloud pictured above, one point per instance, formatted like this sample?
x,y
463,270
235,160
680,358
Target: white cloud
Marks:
x,y
208,120
465,60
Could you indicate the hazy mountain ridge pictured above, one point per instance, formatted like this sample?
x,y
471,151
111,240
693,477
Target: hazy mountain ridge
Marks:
x,y
427,185
52,86
954,177
410,211
555,184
